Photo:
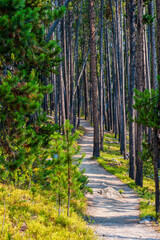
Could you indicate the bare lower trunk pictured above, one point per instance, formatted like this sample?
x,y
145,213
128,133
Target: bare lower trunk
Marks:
x,y
139,162
131,88
155,163
94,79
101,79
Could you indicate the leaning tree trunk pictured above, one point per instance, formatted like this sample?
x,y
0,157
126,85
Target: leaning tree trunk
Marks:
x,y
120,82
94,79
85,79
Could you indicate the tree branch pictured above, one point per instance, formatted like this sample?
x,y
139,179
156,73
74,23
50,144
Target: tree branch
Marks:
x,y
78,81
54,25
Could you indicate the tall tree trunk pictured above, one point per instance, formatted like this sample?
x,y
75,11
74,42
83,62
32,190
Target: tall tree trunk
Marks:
x,y
140,84
71,68
147,63
121,80
123,83
61,80
131,88
155,163
55,99
156,150
158,47
101,79
115,72
109,87
94,79
51,96
65,68
127,55
153,48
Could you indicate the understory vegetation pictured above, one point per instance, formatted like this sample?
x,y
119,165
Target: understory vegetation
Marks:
x,y
28,214
46,201
41,187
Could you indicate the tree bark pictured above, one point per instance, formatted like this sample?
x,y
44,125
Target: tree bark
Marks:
x,y
71,68
155,163
94,79
153,48
140,84
101,79
131,88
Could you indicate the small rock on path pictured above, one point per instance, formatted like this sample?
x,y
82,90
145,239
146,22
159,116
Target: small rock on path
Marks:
x,y
113,217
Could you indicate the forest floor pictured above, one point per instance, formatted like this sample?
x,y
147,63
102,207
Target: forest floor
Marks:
x,y
113,215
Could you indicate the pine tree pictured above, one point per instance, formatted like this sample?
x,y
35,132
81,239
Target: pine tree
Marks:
x,y
24,57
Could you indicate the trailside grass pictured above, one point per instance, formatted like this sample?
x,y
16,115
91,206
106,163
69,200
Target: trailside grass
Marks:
x,y
24,215
33,215
113,162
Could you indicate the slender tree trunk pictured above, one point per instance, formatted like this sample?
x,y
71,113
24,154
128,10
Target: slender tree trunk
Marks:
x,y
115,73
71,68
65,68
131,88
61,81
127,56
155,163
158,47
55,99
147,64
94,79
51,95
86,94
101,79
140,84
123,84
120,79
156,153
153,48
109,87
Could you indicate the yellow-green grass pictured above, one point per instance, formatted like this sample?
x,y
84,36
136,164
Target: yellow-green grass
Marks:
x,y
81,131
25,216
113,162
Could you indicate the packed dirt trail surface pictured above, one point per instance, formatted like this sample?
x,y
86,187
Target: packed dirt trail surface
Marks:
x,y
114,217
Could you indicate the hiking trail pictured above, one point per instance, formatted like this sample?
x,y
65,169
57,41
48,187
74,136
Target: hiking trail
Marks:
x,y
114,216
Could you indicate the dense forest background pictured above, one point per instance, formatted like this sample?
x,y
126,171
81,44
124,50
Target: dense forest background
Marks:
x,y
63,60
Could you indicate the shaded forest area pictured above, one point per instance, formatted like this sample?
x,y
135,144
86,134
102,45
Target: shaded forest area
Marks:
x,y
61,60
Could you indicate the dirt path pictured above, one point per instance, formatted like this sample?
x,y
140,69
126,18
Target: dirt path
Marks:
x,y
114,218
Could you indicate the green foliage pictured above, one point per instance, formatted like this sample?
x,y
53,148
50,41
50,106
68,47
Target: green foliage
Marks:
x,y
29,216
24,57
121,191
148,19
147,159
146,103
